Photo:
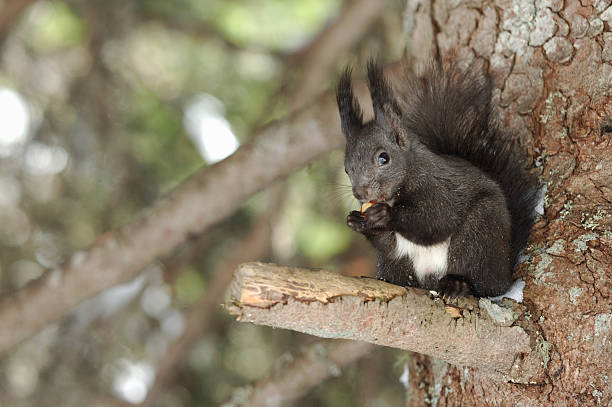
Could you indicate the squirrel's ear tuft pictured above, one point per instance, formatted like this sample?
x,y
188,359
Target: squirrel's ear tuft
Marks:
x,y
348,106
387,112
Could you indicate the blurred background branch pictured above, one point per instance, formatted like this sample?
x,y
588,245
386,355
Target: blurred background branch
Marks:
x,y
9,13
198,318
318,61
108,107
318,363
188,211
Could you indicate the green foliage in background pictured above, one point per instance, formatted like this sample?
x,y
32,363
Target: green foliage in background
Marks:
x,y
57,26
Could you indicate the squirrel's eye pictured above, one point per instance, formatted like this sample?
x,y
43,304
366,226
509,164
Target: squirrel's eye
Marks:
x,y
383,159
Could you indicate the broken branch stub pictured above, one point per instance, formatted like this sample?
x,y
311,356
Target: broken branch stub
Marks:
x,y
322,303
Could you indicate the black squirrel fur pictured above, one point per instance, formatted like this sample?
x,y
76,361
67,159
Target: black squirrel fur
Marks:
x,y
454,205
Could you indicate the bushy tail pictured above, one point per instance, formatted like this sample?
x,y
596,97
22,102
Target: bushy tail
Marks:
x,y
450,110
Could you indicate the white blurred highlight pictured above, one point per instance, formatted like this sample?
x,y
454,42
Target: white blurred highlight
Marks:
x,y
41,159
14,120
207,126
133,381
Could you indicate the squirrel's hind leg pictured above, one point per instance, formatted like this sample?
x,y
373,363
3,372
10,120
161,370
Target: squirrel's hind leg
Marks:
x,y
396,271
479,251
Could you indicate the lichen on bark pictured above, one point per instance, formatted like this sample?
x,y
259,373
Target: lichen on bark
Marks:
x,y
551,62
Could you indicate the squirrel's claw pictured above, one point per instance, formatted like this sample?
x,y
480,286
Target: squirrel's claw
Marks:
x,y
356,221
374,219
453,286
378,216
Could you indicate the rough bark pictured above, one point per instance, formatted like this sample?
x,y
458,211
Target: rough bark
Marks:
x,y
330,305
551,60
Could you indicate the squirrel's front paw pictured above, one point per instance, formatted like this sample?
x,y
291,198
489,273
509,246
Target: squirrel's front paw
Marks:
x,y
375,218
378,216
356,221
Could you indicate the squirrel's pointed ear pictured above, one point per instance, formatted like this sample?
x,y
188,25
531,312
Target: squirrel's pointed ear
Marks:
x,y
351,116
387,112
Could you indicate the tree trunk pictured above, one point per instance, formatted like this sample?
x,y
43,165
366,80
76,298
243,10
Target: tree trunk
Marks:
x,y
551,61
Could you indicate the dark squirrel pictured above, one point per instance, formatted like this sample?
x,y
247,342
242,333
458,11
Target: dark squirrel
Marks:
x,y
454,205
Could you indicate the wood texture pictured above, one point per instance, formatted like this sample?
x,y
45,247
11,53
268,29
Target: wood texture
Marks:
x,y
260,285
326,304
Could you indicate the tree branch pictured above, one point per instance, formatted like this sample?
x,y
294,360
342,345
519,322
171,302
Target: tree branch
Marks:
x,y
10,12
199,316
468,332
203,200
206,198
319,59
317,364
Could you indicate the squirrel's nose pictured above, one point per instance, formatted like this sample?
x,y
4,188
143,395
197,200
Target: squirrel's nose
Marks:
x,y
361,193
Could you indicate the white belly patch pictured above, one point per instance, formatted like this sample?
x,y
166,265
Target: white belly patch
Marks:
x,y
426,260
